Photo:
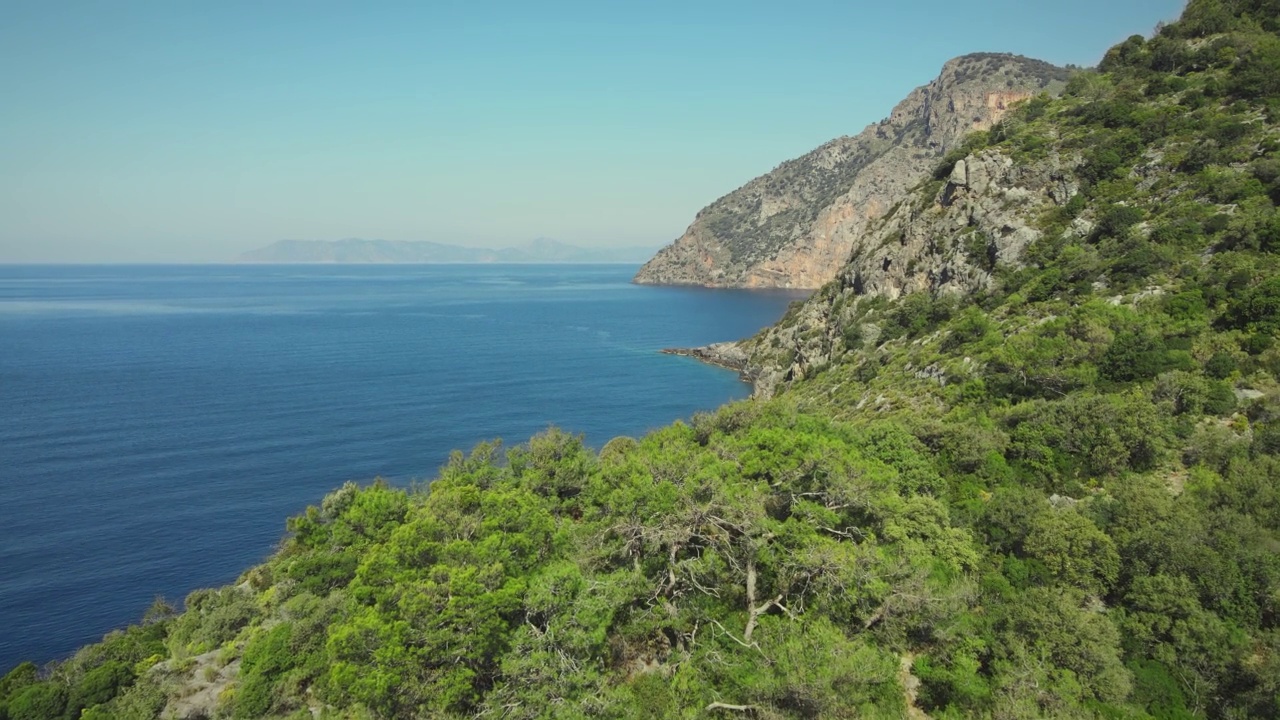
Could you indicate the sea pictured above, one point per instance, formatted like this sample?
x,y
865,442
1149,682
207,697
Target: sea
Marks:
x,y
158,424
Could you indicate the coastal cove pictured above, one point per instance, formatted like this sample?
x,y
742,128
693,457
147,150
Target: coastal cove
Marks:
x,y
159,423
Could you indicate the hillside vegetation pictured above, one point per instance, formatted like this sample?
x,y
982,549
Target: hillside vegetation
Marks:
x,y
1057,495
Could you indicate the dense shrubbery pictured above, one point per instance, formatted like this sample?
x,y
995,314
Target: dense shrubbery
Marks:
x,y
1037,564
94,676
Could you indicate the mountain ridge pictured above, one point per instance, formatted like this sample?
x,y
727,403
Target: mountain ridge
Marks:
x,y
794,226
362,251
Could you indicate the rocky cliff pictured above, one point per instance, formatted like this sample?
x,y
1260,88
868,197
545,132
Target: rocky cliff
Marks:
x,y
795,226
947,237
1138,188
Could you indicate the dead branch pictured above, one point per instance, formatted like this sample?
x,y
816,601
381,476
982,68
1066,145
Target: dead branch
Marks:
x,y
754,646
851,533
671,569
784,609
734,708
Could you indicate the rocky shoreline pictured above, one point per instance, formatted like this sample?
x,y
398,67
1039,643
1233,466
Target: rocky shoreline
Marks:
x,y
728,355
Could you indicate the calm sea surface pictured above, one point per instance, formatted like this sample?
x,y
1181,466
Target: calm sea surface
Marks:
x,y
158,424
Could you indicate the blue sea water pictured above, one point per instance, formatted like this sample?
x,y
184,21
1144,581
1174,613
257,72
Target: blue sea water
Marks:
x,y
159,423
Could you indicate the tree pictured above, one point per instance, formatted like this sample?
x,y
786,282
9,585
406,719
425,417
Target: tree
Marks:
x,y
1074,550
41,701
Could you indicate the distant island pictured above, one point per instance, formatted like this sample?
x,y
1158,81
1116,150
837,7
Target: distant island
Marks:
x,y
356,250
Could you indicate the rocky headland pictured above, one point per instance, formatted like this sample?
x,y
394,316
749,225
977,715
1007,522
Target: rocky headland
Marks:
x,y
946,238
795,226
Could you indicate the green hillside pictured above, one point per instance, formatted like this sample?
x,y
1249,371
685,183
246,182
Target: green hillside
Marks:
x,y
1057,497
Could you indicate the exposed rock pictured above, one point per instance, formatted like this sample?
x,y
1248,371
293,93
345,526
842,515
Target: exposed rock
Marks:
x,y
945,242
910,688
934,373
795,226
727,354
1062,502
204,683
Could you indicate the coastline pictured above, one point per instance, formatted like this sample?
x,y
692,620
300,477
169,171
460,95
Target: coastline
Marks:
x,y
727,355
261,314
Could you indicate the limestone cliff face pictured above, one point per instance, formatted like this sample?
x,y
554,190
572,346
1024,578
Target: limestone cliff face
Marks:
x,y
795,226
942,238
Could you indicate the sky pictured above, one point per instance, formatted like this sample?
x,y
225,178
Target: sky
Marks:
x,y
164,131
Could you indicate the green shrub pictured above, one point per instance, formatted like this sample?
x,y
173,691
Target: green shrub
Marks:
x,y
1220,400
321,572
1183,233
1256,75
1109,159
1087,435
1221,365
1074,206
1186,306
852,335
1136,356
42,701
99,685
1138,262
1158,691
971,326
21,676
1128,54
1115,220
1205,17
915,314
980,251
1257,309
1266,439
266,658
1258,343
212,618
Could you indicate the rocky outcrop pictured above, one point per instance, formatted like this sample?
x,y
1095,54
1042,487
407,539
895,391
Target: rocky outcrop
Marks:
x,y
950,241
795,226
943,238
726,355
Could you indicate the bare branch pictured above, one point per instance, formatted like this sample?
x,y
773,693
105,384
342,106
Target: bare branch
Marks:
x,y
784,609
733,637
713,592
754,646
671,569
734,708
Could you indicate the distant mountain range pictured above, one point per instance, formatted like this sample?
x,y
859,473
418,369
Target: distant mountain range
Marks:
x,y
355,250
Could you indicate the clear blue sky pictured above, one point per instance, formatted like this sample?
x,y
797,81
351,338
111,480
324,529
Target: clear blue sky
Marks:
x,y
190,131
